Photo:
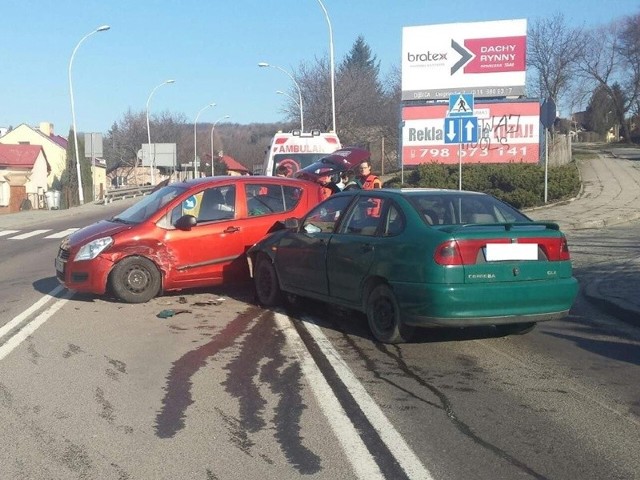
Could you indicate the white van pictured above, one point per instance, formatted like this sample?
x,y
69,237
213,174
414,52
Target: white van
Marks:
x,y
297,150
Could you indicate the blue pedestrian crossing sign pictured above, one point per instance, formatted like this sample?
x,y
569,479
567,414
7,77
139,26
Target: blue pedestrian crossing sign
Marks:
x,y
461,105
461,130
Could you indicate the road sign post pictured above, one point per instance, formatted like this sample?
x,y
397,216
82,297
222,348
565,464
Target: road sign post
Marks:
x,y
461,126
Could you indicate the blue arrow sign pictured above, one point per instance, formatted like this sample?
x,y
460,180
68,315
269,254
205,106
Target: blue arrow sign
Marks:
x,y
469,129
190,203
461,130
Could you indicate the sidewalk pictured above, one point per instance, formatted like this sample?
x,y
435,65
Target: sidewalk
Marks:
x,y
610,196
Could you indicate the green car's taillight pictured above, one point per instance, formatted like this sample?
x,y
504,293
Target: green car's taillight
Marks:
x,y
465,252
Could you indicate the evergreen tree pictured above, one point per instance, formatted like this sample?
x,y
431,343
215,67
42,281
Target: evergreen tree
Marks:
x,y
69,177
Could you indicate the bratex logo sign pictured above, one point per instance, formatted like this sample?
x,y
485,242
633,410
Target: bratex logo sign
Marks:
x,y
486,59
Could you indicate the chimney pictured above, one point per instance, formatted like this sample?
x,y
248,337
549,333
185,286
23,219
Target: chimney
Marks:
x,y
46,128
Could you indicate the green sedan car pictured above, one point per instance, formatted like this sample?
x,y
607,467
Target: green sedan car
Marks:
x,y
412,258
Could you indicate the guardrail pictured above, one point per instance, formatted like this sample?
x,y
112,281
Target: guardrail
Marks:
x,y
125,192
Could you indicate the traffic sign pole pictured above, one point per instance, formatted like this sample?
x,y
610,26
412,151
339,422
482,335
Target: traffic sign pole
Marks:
x,y
459,166
461,126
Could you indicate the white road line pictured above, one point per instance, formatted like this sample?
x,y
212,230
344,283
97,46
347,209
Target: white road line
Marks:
x,y
364,465
4,233
32,326
63,233
406,458
36,306
29,234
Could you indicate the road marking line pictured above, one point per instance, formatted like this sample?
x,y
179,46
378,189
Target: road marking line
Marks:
x,y
4,233
403,453
63,233
29,234
361,460
32,326
36,306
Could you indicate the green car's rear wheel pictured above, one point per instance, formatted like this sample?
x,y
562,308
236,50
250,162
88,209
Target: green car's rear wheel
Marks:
x,y
383,315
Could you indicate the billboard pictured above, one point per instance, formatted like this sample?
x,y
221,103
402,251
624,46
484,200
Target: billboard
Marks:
x,y
508,131
487,59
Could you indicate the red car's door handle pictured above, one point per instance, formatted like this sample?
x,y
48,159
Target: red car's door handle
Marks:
x,y
231,229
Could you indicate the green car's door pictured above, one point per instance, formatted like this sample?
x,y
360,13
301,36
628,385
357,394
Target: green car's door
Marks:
x,y
352,249
301,256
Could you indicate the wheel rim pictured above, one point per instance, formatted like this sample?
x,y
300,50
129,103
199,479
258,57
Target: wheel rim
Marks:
x,y
137,279
384,314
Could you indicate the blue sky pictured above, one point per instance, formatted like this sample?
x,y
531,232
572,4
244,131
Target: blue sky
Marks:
x,y
211,48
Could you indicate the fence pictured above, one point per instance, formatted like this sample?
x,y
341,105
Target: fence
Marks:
x,y
125,192
559,150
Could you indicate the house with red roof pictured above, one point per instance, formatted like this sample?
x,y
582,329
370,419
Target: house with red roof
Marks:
x,y
54,146
233,166
24,170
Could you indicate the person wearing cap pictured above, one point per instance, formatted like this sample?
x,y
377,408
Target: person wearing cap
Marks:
x,y
368,180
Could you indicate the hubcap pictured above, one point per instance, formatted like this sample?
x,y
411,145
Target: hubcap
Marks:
x,y
137,280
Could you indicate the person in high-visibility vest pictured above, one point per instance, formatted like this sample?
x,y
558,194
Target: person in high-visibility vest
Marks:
x,y
368,180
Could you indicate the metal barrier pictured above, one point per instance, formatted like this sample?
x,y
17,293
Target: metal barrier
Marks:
x,y
125,192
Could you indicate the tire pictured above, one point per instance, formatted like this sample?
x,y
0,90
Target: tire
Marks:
x,y
383,316
516,328
266,283
135,280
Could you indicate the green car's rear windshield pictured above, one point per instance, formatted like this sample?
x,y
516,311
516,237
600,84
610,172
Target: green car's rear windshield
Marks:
x,y
452,209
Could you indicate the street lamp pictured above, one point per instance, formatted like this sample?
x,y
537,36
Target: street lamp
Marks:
x,y
333,75
293,99
152,162
212,129
264,64
103,28
195,136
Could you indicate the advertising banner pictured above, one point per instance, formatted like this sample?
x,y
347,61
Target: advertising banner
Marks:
x,y
507,131
486,59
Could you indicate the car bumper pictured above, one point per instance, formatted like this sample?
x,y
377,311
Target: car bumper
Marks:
x,y
87,276
485,304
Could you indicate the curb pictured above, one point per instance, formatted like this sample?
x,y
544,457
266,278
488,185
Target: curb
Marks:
x,y
620,309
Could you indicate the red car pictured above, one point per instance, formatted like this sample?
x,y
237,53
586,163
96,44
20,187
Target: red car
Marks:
x,y
184,235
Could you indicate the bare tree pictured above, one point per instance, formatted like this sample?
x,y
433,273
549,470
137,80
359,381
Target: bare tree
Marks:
x,y
613,59
367,106
314,79
553,52
126,137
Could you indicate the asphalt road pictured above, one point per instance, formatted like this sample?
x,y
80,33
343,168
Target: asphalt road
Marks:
x,y
92,388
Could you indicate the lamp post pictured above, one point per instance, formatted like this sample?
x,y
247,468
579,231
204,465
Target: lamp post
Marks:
x,y
212,129
152,161
331,61
102,28
295,100
264,64
195,137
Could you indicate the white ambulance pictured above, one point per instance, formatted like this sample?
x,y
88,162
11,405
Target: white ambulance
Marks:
x,y
297,150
